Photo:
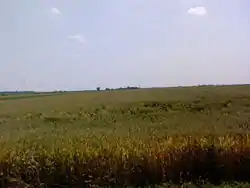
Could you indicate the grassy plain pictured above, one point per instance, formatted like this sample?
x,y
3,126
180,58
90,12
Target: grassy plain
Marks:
x,y
127,138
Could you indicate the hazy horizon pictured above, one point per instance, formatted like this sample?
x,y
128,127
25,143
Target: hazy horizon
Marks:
x,y
125,87
80,45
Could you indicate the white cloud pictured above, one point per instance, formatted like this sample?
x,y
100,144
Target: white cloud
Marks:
x,y
55,11
79,38
197,11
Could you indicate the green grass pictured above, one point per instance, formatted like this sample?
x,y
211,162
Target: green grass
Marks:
x,y
25,96
133,137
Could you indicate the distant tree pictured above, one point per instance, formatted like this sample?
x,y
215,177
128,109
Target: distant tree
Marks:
x,y
98,89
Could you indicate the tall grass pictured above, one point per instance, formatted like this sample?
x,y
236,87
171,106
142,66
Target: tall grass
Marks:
x,y
175,159
135,138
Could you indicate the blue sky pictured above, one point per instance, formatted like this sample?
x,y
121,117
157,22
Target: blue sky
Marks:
x,y
82,44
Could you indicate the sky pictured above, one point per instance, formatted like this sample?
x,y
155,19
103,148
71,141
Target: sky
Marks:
x,y
83,44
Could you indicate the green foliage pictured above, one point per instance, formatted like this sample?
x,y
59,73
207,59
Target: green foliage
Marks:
x,y
127,138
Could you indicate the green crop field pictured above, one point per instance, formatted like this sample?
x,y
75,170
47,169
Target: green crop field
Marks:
x,y
127,138
25,96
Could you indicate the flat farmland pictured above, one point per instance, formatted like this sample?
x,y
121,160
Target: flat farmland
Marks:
x,y
140,137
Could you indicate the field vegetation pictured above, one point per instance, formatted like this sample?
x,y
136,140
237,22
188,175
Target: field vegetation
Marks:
x,y
142,137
